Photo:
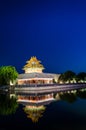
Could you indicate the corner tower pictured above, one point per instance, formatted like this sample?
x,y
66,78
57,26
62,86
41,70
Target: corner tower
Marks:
x,y
33,65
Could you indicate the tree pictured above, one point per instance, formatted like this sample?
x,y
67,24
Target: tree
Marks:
x,y
67,76
61,78
7,74
81,76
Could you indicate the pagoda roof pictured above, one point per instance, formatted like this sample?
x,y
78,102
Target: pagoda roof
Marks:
x,y
35,75
33,63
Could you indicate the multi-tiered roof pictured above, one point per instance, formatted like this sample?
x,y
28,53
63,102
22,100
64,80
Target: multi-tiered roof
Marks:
x,y
33,65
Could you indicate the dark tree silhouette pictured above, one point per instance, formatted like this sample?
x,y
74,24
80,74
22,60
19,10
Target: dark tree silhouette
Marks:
x,y
67,76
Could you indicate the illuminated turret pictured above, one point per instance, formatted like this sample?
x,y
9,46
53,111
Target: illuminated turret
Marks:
x,y
33,65
34,74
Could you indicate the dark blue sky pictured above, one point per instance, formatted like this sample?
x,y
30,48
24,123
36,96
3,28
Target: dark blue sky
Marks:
x,y
53,31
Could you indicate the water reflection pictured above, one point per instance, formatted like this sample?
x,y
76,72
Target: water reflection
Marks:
x,y
81,94
8,104
34,105
34,112
69,97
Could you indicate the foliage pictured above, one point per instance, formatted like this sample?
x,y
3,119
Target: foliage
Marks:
x,y
7,105
67,76
61,78
81,76
7,74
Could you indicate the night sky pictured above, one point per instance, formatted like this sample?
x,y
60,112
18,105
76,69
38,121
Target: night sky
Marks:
x,y
53,31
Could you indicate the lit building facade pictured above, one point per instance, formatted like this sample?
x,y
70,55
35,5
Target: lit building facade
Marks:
x,y
34,74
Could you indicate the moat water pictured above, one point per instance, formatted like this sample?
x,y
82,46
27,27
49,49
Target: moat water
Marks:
x,y
43,111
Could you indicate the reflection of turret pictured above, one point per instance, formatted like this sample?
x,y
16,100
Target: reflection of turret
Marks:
x,y
38,100
34,104
34,112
